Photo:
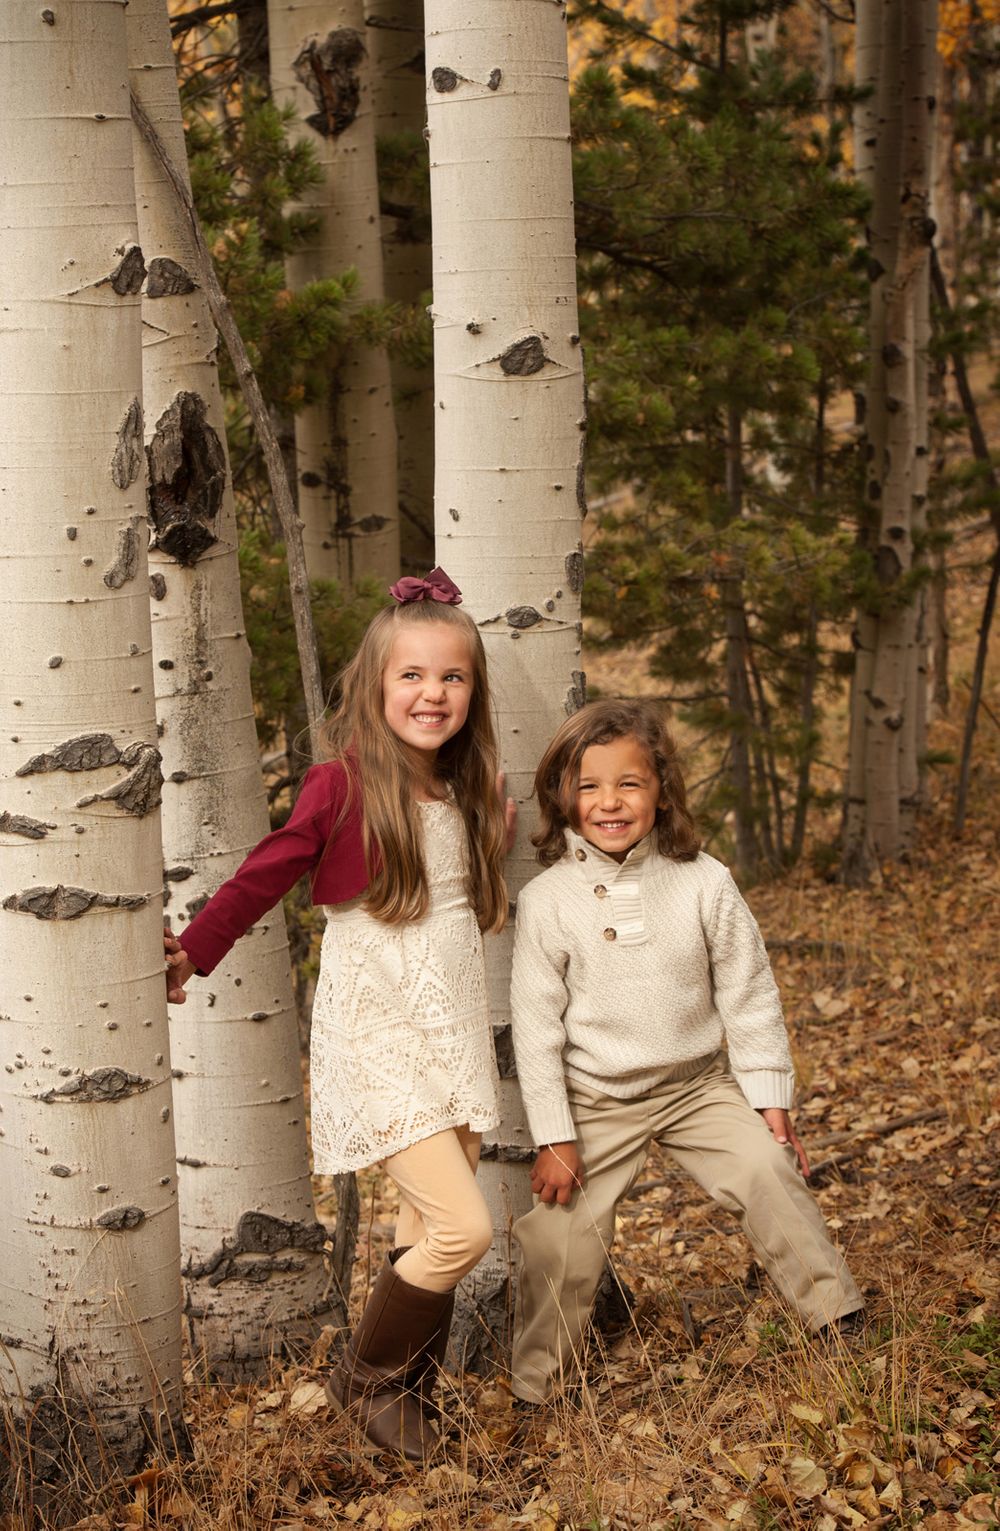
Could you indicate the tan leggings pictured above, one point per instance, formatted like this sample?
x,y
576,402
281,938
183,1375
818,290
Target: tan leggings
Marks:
x,y
442,1214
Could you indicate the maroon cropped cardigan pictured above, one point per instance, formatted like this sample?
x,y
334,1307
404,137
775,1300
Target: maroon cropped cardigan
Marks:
x,y
336,867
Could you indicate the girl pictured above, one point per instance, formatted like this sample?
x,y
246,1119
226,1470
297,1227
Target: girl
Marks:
x,y
634,957
403,836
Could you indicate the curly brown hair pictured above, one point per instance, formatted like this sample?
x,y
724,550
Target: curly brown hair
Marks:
x,y
559,773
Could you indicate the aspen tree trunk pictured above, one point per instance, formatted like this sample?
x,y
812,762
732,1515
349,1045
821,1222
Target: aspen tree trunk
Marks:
x,y
869,129
89,1249
396,45
921,84
346,445
761,36
900,243
830,55
865,111
252,1247
737,684
509,452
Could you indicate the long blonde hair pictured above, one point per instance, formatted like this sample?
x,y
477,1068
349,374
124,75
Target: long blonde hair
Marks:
x,y
378,767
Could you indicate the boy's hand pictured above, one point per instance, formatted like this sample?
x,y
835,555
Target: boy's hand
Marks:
x,y
556,1172
780,1124
509,810
178,969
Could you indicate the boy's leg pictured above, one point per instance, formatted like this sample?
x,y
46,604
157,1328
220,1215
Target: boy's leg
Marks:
x,y
563,1249
726,1146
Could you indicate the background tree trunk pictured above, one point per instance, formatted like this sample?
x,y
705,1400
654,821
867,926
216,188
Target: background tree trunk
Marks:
x,y
509,450
737,684
247,1213
396,45
91,1353
345,445
886,715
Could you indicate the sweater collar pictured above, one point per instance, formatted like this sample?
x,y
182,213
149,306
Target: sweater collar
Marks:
x,y
596,866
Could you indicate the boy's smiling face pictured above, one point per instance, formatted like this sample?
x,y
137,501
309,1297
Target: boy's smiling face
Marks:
x,y
617,795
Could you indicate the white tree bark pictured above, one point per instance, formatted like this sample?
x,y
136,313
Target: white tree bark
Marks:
x,y
345,447
89,1238
396,45
253,1262
509,414
886,717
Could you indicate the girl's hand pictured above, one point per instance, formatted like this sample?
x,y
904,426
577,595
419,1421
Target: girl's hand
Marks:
x,y
178,968
780,1124
509,810
556,1172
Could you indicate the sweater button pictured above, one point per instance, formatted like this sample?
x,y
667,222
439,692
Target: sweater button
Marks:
x,y
601,891
580,855
610,934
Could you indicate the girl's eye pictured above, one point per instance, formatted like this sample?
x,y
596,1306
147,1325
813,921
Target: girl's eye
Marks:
x,y
455,677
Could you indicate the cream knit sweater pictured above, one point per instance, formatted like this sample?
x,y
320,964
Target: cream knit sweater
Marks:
x,y
625,971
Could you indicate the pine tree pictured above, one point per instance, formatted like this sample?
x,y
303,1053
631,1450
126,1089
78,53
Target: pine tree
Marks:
x,y
718,238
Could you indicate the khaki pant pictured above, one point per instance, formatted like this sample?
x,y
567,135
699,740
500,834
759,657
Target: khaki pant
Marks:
x,y
443,1217
725,1145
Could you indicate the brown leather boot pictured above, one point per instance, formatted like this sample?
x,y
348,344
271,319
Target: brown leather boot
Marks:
x,y
371,1381
425,1371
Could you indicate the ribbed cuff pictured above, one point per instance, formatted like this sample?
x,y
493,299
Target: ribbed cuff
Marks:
x,y
764,1088
553,1125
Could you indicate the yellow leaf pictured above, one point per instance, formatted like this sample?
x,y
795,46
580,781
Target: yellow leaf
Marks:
x,y
806,1412
805,1479
982,1509
307,1398
866,1500
892,1495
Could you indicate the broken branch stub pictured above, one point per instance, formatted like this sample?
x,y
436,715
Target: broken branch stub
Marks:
x,y
137,793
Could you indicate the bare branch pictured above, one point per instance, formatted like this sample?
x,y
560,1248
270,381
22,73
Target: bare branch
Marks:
x,y
291,526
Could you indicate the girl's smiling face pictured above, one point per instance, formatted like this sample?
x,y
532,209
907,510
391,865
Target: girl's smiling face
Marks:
x,y
427,685
617,795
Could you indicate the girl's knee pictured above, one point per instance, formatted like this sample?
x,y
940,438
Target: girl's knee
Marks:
x,y
480,1234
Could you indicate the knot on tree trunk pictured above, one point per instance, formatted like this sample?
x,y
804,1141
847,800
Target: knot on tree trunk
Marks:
x,y
187,480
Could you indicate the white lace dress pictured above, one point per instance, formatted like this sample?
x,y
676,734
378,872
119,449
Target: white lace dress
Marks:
x,y
401,1041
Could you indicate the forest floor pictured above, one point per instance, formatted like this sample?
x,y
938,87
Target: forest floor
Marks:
x,y
713,1408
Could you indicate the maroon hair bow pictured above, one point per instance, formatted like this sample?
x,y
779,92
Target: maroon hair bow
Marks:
x,y
436,587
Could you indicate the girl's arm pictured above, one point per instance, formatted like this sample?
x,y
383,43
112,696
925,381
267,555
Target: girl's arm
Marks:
x,y
266,875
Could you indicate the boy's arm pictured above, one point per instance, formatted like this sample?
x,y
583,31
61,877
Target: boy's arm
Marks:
x,y
538,1000
747,999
